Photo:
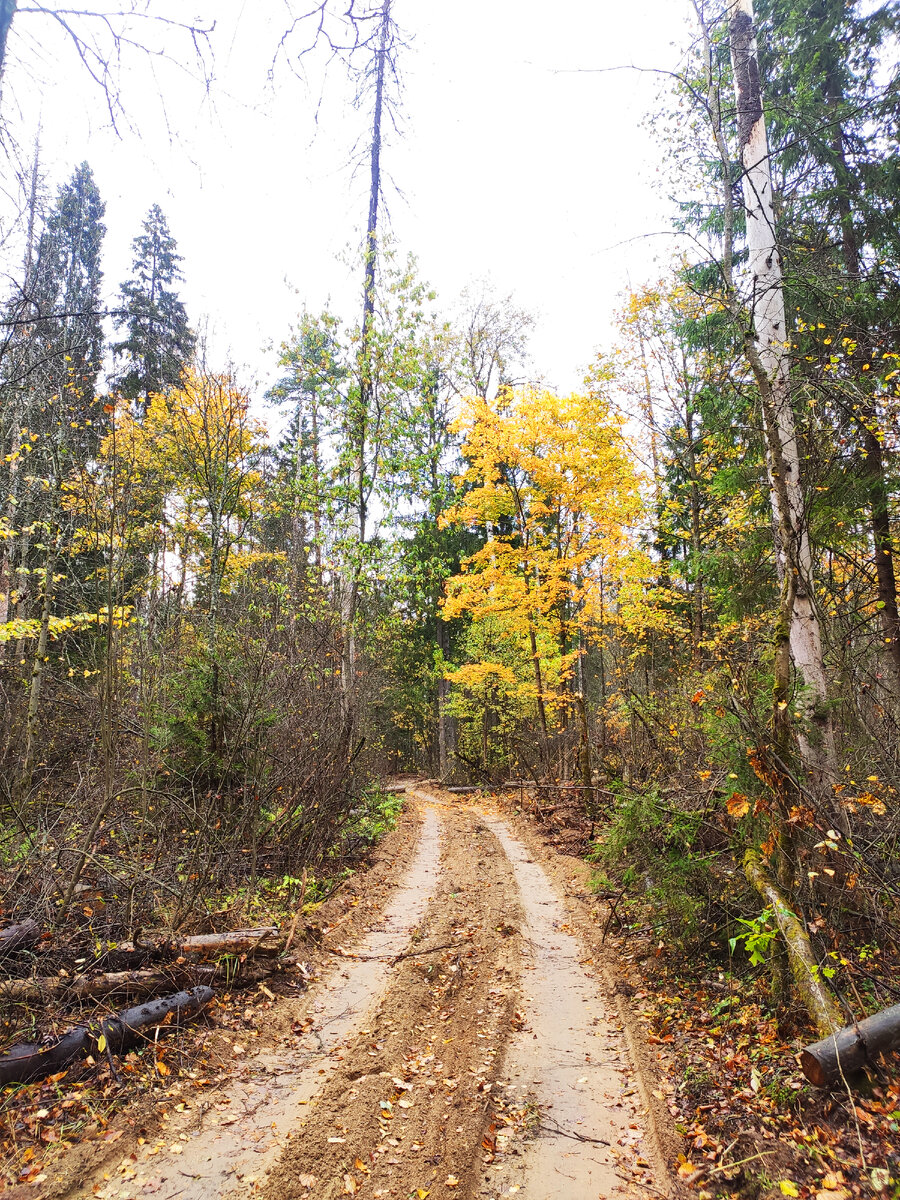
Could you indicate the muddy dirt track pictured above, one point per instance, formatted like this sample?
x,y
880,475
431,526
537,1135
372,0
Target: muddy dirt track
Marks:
x,y
464,1042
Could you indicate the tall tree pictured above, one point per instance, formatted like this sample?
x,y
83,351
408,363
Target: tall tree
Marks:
x,y
67,339
833,96
755,298
159,342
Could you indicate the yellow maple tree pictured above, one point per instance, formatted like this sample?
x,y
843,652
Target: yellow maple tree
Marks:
x,y
552,487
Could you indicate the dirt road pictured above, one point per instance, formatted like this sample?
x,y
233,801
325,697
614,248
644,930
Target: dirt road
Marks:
x,y
461,1047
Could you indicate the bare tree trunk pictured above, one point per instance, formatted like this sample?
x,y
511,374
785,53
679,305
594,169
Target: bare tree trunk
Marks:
x,y
696,543
766,347
366,378
317,486
37,679
443,694
7,12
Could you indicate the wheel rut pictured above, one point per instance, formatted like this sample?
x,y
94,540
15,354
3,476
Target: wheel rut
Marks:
x,y
464,1048
243,1133
569,1062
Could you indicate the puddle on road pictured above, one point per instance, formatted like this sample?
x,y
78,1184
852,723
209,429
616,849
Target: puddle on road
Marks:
x,y
570,1059
238,1141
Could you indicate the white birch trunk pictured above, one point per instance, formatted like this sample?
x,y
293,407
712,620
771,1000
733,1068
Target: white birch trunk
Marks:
x,y
771,364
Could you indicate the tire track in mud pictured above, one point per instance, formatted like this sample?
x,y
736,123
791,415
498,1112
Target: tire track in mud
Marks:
x,y
568,1067
244,1133
422,1068
407,1110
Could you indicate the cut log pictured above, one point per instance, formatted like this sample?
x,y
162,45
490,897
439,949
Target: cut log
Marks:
x,y
19,937
834,1058
132,984
41,990
237,941
24,1063
818,1001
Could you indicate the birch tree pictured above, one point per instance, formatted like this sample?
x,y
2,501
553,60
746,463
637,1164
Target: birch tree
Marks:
x,y
756,300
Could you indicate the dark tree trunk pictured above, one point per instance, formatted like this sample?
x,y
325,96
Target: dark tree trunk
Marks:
x,y
7,12
836,1057
19,937
23,1063
874,471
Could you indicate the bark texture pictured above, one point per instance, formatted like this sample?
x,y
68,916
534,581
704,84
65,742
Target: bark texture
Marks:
x,y
7,12
23,1063
134,985
19,937
817,999
767,352
831,1060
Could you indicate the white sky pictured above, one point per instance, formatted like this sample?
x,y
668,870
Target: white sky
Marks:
x,y
508,169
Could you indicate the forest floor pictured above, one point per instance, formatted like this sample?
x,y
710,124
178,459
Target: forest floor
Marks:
x,y
470,1030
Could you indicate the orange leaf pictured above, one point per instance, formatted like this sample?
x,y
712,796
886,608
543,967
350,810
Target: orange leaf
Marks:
x,y
738,805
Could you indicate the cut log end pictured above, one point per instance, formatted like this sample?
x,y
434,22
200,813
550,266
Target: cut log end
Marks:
x,y
834,1058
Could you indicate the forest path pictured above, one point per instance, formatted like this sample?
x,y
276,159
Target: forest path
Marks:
x,y
463,1048
570,1058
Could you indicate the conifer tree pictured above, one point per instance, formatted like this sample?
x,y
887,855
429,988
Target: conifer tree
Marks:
x,y
159,343
64,351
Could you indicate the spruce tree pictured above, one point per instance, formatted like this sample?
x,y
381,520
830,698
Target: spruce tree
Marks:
x,y
66,340
159,342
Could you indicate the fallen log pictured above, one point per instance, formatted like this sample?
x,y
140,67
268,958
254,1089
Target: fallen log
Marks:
x,y
235,942
226,943
463,791
818,1001
834,1058
19,937
24,1063
133,984
394,789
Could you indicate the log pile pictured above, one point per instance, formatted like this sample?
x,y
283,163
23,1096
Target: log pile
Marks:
x,y
187,959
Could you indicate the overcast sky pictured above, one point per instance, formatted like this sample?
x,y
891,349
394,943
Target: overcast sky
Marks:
x,y
512,165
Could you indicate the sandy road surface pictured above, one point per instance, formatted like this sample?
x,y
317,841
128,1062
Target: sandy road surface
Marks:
x,y
462,1047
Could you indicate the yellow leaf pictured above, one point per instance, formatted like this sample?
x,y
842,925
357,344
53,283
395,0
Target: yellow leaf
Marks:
x,y
738,805
101,1043
789,1188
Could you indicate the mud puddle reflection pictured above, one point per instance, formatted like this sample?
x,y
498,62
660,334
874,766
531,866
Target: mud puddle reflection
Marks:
x,y
242,1132
570,1061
